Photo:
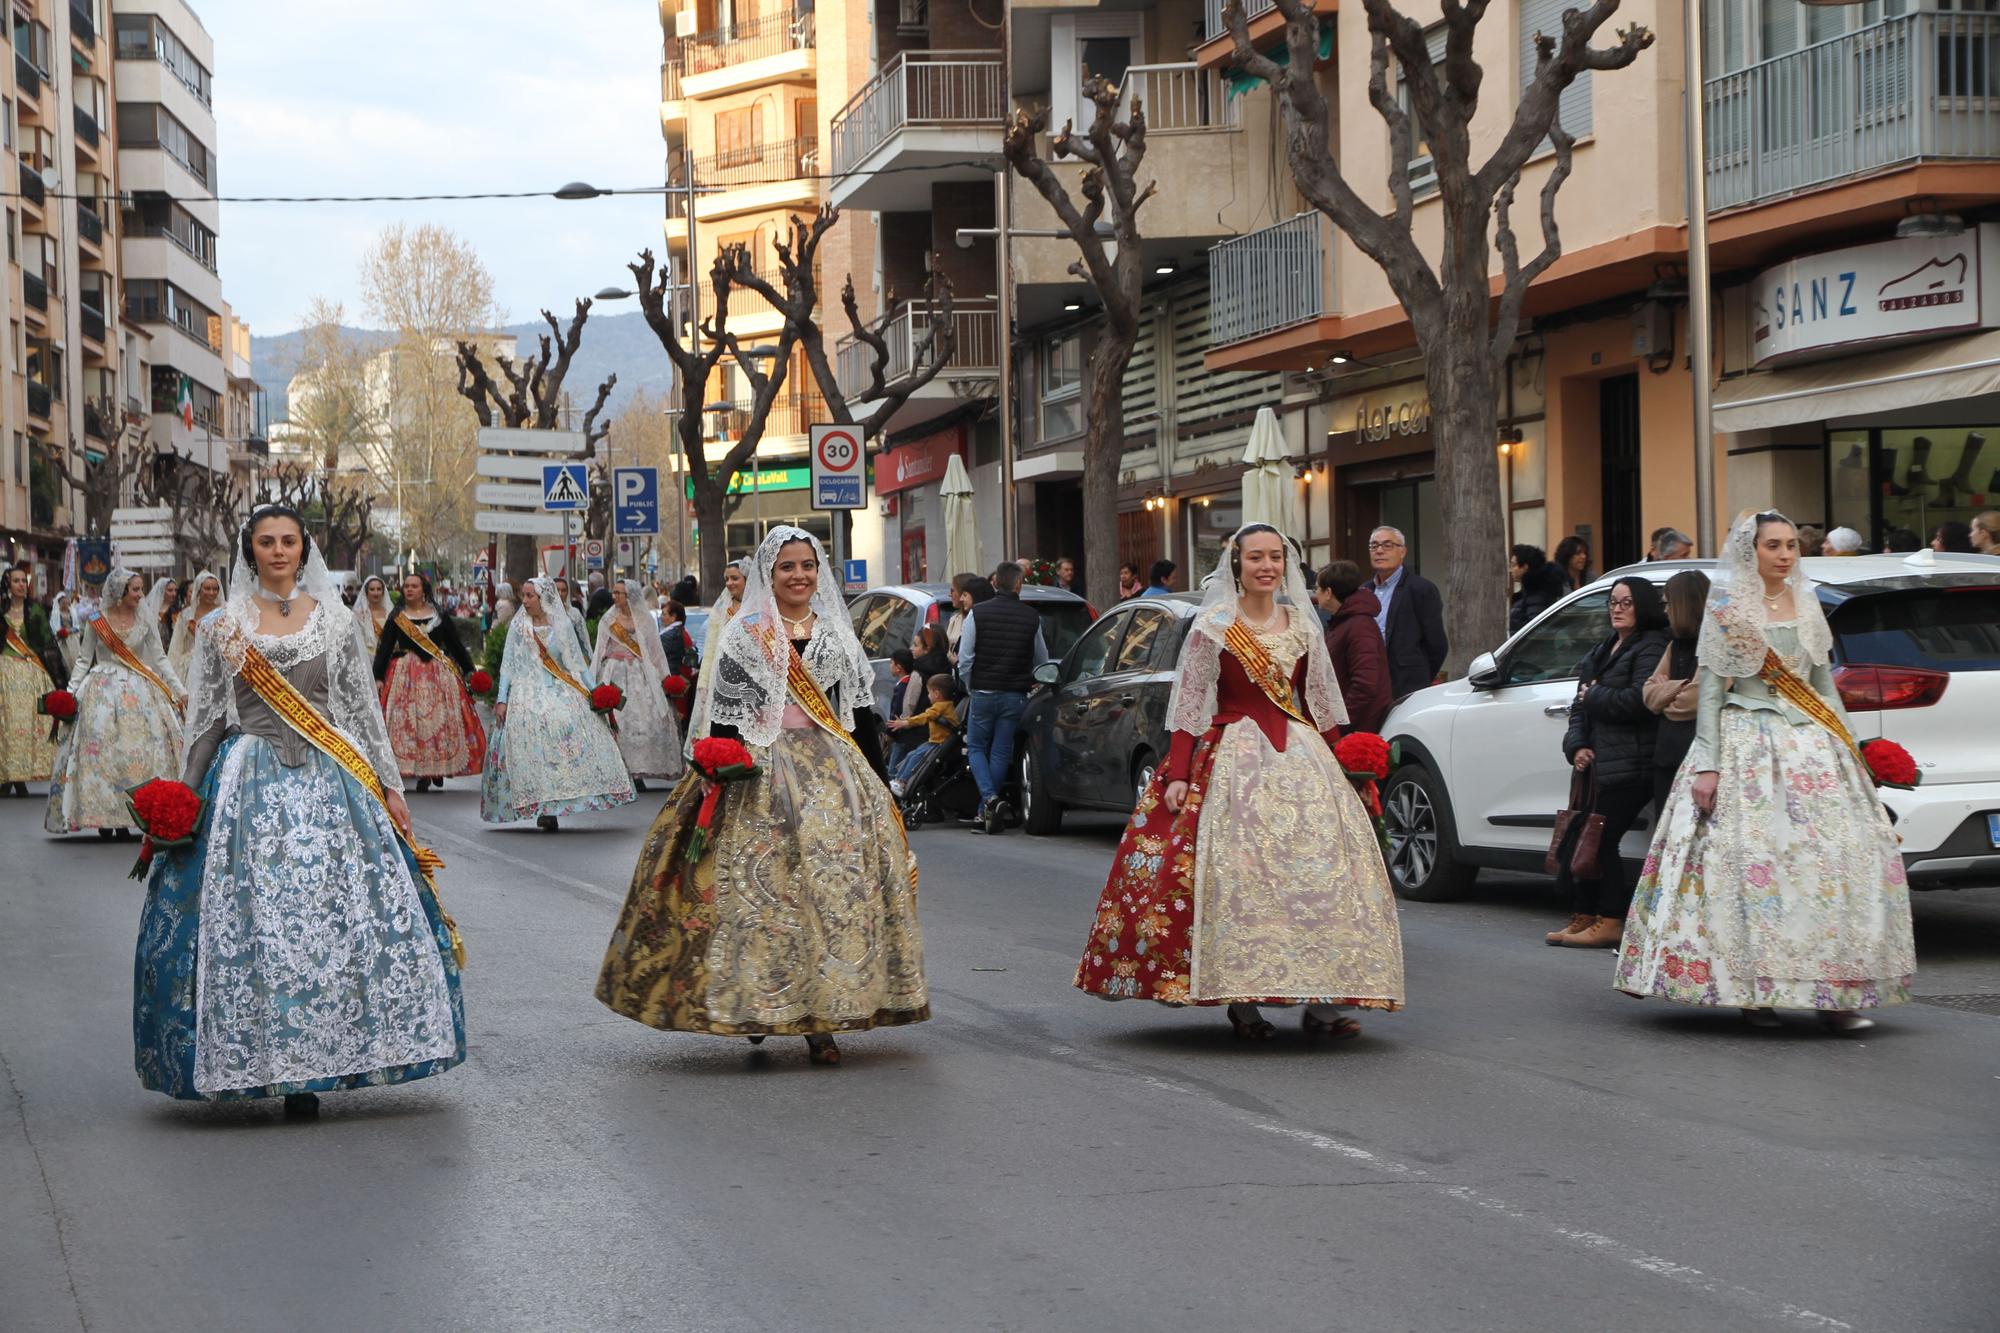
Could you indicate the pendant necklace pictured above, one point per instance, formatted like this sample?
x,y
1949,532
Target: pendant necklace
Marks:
x,y
792,626
284,603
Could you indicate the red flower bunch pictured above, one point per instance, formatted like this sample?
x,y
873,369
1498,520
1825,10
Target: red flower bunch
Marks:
x,y
479,682
58,704
718,761
1891,765
606,698
169,812
1363,753
675,686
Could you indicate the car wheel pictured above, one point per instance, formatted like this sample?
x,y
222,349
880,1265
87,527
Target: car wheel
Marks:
x,y
1041,813
1423,854
1142,776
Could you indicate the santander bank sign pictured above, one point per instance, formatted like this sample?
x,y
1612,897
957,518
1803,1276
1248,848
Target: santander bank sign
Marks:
x,y
1893,291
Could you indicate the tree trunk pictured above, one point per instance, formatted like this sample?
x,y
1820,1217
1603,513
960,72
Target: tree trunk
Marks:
x,y
1103,452
1465,427
710,501
517,557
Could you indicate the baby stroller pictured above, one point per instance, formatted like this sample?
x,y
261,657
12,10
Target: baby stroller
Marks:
x,y
942,787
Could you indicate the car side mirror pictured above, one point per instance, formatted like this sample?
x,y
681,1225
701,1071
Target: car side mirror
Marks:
x,y
1484,672
1047,673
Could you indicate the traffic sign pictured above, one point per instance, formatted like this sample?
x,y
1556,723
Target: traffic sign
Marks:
x,y
481,559
838,463
513,469
564,486
593,552
854,575
507,440
500,495
535,525
635,501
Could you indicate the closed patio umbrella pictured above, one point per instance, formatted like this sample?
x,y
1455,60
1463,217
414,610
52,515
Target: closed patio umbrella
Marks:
x,y
1267,489
961,532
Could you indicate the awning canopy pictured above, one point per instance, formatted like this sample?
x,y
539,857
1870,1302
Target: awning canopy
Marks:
x,y
1854,386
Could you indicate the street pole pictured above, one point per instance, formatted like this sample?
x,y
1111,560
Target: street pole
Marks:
x,y
1004,312
1699,324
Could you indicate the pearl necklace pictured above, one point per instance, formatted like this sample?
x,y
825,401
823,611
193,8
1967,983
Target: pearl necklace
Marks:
x,y
1265,625
792,626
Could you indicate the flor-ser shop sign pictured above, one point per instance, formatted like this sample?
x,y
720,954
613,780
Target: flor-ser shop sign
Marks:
x,y
1394,414
1869,295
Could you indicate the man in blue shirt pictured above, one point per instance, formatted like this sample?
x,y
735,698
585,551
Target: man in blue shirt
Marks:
x,y
1163,579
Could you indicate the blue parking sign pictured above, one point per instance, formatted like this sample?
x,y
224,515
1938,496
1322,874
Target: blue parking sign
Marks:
x,y
635,501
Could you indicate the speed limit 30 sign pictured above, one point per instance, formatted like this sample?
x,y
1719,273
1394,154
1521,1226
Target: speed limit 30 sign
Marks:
x,y
838,468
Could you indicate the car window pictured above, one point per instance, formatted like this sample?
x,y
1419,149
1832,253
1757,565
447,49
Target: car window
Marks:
x,y
883,624
1093,651
1063,623
1552,649
1141,645
1942,629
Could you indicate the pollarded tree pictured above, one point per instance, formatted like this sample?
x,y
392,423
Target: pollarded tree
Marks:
x,y
1464,333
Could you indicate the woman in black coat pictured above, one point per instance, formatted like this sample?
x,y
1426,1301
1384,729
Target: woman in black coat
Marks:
x,y
1542,586
1610,739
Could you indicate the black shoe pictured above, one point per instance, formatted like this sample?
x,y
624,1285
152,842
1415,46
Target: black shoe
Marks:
x,y
546,823
105,833
638,784
301,1106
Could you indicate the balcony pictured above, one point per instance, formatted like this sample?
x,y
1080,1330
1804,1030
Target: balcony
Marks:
x,y
1270,279
673,104
34,291
27,79
89,227
1919,87
933,115
771,47
759,164
81,25
791,414
41,400
976,325
1181,98
86,128
93,323
32,189
99,423
1261,17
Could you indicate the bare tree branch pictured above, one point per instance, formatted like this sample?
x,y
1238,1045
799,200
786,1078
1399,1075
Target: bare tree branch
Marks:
x,y
1515,278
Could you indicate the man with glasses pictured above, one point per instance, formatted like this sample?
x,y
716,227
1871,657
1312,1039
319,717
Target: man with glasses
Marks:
x,y
1412,614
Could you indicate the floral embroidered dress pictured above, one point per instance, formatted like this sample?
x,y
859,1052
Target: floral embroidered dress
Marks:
x,y
26,753
1269,886
127,730
432,723
295,946
1792,894
553,755
649,735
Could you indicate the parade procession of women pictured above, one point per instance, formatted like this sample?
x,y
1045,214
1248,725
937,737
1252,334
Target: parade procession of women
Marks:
x,y
293,940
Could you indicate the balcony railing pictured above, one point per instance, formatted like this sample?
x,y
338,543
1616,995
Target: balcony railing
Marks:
x,y
35,291
186,245
1270,279
89,226
1919,86
93,323
791,414
27,79
32,188
97,422
1181,97
40,399
928,88
1212,25
759,164
81,25
768,35
86,126
670,80
975,325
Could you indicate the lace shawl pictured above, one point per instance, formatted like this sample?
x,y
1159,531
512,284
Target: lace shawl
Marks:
x,y
1733,641
643,629
522,658
748,688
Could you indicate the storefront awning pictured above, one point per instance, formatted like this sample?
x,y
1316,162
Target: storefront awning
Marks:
x,y
1854,386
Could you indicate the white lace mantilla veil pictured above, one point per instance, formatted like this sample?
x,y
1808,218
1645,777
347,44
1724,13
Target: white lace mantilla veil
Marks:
x,y
521,656
1732,642
711,639
185,620
353,705
753,656
155,603
644,629
1192,707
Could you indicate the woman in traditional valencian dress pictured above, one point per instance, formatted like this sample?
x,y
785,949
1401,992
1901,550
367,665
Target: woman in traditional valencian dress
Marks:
x,y
798,917
128,722
297,945
629,656
371,612
204,596
423,666
28,663
162,605
735,578
550,754
1774,880
1250,872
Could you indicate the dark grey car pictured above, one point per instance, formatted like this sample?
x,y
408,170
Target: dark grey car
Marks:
x,y
1095,730
886,619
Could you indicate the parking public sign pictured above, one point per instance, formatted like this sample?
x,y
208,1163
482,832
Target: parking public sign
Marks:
x,y
839,477
564,486
635,502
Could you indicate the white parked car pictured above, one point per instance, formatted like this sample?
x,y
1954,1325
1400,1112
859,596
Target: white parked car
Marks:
x,y
1917,659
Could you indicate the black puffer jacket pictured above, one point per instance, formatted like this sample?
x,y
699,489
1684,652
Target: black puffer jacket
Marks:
x,y
1611,718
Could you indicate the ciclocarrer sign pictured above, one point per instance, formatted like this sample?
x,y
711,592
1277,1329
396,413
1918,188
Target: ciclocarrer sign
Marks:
x,y
564,487
839,478
1891,291
593,552
635,502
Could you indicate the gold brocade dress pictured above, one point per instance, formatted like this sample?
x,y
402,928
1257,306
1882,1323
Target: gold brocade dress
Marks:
x,y
26,752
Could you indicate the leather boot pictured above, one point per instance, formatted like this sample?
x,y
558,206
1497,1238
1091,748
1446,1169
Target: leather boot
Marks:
x,y
1578,922
1604,932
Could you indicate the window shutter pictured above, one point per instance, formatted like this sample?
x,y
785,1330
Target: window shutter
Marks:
x,y
1545,16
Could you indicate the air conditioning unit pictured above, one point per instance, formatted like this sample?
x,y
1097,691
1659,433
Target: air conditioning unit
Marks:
x,y
686,24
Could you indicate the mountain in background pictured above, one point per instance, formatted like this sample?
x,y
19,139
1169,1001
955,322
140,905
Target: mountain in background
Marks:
x,y
619,344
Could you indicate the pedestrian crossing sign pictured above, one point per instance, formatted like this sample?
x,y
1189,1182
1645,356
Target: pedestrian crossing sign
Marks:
x,y
563,486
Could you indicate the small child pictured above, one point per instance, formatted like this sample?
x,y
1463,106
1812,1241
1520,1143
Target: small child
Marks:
x,y
942,719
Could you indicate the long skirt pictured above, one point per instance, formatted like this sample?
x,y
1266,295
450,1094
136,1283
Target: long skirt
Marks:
x,y
294,946
799,918
125,733
432,725
1268,888
1791,895
552,756
649,735
26,754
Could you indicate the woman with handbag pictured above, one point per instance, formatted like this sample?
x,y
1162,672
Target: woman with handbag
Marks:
x,y
1674,690
1610,749
1775,880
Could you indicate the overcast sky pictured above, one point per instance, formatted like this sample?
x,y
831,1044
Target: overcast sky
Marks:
x,y
426,97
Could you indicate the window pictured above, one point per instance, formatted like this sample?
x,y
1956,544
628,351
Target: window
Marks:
x,y
1935,629
31,42
1063,623
1545,16
1423,171
884,623
739,136
1145,643
1062,385
1093,651
145,37
150,125
1553,649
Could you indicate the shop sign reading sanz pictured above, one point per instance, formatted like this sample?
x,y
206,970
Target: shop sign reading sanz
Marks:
x,y
1893,291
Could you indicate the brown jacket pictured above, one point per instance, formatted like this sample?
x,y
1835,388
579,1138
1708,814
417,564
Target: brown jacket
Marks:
x,y
1672,699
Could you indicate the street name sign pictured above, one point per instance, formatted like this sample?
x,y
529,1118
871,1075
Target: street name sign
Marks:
x,y
515,525
146,546
148,514
498,494
838,467
635,501
513,469
506,440
564,487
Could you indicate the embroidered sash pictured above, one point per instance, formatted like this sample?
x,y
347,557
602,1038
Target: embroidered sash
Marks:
x,y
555,668
299,713
814,702
624,637
119,649
1785,683
1263,671
17,644
424,643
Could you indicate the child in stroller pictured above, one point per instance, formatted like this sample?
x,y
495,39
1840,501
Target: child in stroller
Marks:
x,y
933,779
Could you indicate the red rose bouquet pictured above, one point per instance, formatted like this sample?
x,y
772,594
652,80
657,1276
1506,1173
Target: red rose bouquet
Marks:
x,y
1890,765
717,761
168,812
675,686
58,704
479,682
1366,760
606,698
